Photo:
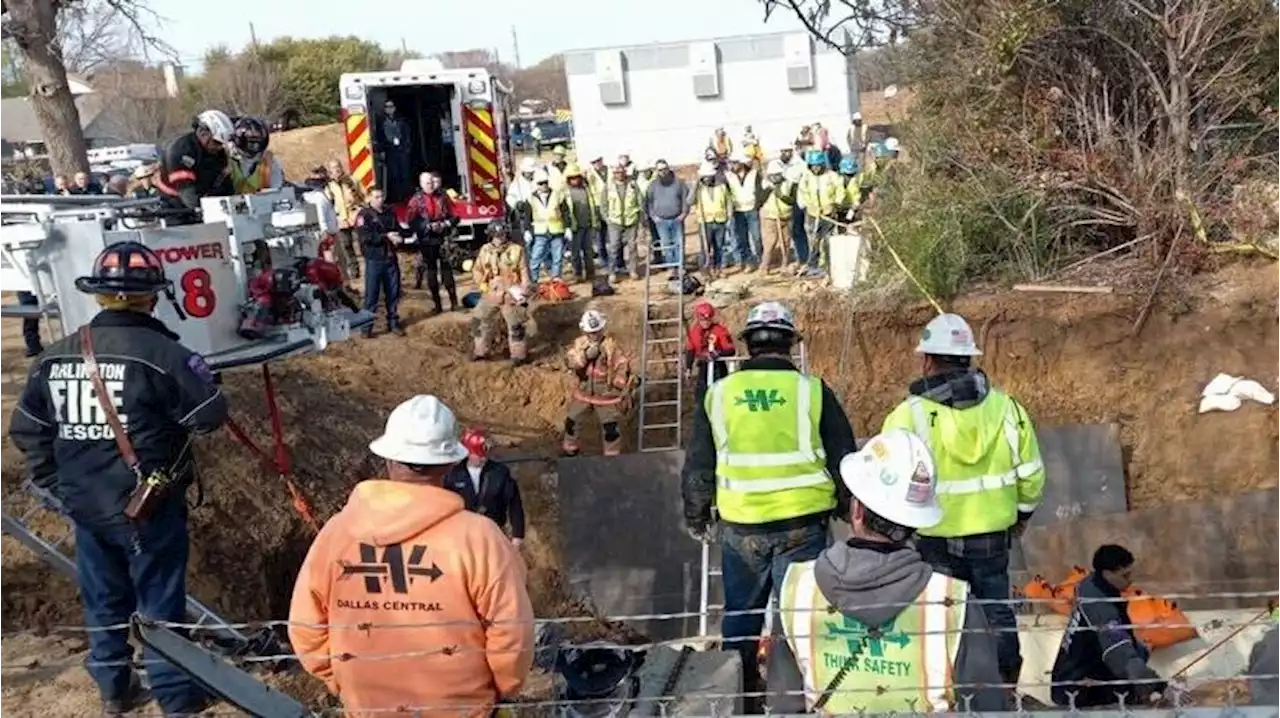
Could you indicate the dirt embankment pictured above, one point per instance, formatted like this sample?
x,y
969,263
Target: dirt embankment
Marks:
x,y
1069,358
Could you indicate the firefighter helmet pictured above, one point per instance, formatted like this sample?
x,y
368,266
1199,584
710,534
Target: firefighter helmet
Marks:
x,y
476,441
593,320
125,268
251,137
216,123
497,229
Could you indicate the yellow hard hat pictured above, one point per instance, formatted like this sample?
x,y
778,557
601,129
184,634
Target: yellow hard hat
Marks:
x,y
572,170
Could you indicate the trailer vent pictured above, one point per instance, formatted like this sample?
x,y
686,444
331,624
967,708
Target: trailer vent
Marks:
x,y
797,50
705,65
611,77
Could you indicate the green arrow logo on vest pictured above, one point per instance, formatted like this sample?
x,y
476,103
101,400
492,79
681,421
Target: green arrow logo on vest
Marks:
x,y
858,635
759,399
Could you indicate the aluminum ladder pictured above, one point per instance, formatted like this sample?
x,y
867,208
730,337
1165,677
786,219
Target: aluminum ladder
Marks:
x,y
662,344
709,572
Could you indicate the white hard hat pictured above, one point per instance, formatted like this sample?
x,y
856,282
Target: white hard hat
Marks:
x,y
948,335
420,431
218,125
775,167
467,264
857,117
593,320
891,144
517,294
739,158
528,164
894,476
771,315
706,169
540,176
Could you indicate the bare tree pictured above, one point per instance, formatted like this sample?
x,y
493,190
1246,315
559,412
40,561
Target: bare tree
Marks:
x,y
138,107
93,33
867,23
33,26
543,81
244,85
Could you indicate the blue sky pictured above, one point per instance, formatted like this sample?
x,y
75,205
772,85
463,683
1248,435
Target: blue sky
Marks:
x,y
544,28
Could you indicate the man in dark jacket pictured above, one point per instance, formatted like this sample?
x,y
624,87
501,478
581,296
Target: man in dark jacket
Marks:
x,y
767,442
431,218
1099,647
125,369
194,165
379,235
487,487
393,142
863,617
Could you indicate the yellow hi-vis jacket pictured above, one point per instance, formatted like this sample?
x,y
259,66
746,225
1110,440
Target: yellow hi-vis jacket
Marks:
x,y
779,203
820,194
904,665
548,212
712,203
743,189
987,458
622,204
770,462
259,178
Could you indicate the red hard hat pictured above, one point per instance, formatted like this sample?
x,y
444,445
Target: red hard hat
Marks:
x,y
704,310
476,442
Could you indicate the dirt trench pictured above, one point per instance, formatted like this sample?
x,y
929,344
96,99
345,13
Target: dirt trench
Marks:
x,y
1069,358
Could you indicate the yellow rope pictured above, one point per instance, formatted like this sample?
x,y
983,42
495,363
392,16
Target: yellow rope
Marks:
x,y
897,260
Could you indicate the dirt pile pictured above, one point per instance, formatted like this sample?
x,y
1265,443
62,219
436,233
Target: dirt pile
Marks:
x,y
300,150
1069,358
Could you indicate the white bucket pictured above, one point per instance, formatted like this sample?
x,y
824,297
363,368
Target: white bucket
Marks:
x,y
849,259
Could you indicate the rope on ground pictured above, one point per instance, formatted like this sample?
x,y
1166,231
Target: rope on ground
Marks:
x,y
896,258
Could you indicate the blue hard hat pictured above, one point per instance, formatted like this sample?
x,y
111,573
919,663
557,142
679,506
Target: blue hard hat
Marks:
x,y
849,166
816,157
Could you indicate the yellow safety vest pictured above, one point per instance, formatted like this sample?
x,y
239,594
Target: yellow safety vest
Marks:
x,y
622,208
744,190
713,203
594,181
774,206
770,462
987,458
547,217
592,221
257,179
820,193
556,175
903,665
853,191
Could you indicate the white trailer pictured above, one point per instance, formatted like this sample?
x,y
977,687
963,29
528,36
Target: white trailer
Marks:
x,y
665,100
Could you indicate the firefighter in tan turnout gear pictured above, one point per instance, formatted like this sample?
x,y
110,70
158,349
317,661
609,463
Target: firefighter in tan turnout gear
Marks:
x,y
604,382
501,275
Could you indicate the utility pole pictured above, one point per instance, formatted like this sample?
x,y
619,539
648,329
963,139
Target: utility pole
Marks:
x,y
404,47
515,46
253,38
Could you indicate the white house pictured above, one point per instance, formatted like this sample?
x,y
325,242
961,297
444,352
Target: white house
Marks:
x,y
665,100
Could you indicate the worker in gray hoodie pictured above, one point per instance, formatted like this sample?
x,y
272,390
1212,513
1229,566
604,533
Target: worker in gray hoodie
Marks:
x,y
666,202
869,626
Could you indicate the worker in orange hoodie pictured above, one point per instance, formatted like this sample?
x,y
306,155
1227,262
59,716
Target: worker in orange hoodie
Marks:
x,y
404,570
706,347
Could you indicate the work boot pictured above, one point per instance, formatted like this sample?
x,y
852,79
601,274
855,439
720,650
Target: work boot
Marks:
x,y
519,361
367,332
397,330
135,697
34,351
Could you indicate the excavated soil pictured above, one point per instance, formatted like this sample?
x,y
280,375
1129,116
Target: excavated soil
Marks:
x,y
1070,358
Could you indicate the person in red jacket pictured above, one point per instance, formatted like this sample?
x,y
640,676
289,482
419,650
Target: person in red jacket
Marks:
x,y
707,343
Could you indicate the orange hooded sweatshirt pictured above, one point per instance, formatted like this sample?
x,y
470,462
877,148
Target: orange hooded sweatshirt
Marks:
x,y
404,569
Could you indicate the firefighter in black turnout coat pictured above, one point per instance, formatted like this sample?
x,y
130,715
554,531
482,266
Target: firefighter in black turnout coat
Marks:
x,y
105,423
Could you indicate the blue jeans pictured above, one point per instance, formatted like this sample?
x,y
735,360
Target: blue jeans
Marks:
x,y
670,238
140,568
30,327
988,579
602,246
819,231
542,244
382,275
799,235
754,566
723,252
746,230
